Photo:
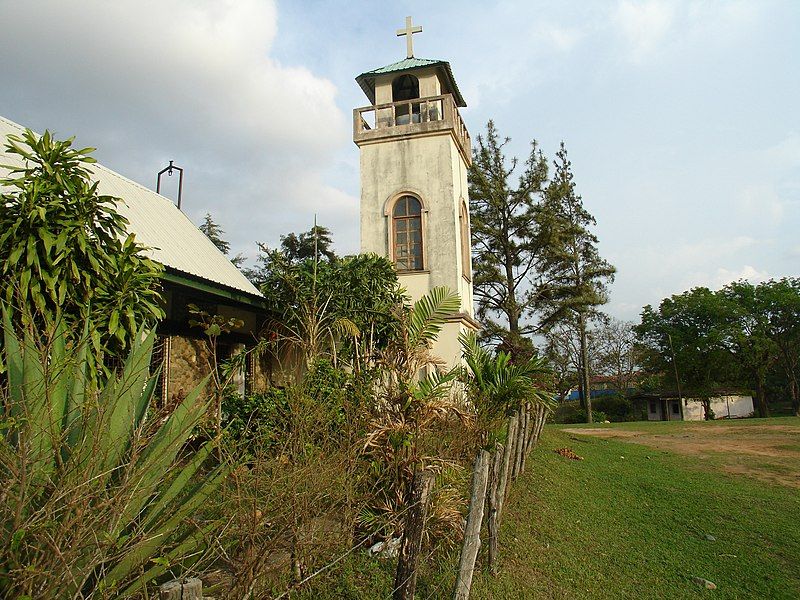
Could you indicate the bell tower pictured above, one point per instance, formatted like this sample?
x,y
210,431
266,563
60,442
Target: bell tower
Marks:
x,y
415,151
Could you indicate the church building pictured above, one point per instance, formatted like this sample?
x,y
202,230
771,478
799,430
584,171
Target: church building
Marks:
x,y
415,150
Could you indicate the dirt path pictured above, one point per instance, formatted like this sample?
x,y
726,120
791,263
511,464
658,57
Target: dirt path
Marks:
x,y
768,452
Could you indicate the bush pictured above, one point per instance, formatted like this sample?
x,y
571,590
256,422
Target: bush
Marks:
x,y
571,412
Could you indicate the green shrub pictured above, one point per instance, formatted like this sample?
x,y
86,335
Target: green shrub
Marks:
x,y
571,412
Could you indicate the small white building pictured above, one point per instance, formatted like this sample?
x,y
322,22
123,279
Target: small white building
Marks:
x,y
724,406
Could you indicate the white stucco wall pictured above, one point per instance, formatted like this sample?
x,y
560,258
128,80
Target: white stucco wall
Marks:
x,y
724,407
431,168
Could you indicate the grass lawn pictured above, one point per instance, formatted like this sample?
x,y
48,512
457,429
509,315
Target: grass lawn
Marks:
x,y
630,521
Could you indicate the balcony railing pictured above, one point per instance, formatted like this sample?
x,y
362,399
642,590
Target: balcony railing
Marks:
x,y
410,117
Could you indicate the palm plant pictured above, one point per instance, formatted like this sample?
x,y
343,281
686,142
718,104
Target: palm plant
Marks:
x,y
416,395
497,386
97,499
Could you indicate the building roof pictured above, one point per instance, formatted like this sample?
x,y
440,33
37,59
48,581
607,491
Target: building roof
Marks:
x,y
367,80
170,236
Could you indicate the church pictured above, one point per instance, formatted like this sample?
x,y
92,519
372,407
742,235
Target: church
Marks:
x,y
414,153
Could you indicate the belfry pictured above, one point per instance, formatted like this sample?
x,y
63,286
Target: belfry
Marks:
x,y
415,151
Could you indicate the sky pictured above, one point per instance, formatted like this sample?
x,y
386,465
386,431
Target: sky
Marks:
x,y
681,118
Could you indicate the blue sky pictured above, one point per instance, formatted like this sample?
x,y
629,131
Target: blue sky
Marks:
x,y
681,118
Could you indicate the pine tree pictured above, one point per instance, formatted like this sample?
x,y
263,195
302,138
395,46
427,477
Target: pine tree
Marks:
x,y
577,274
507,248
214,233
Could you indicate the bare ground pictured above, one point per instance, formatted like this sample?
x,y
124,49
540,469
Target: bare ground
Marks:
x,y
767,452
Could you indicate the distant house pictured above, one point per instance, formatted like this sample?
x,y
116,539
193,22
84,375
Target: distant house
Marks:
x,y
195,272
667,406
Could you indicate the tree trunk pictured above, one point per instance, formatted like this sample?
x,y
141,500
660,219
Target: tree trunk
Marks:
x,y
584,374
763,409
793,390
405,580
472,532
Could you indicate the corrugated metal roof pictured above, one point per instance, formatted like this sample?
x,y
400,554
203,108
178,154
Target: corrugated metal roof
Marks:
x,y
170,236
367,80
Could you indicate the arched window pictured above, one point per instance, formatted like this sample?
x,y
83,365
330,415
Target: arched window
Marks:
x,y
466,242
407,234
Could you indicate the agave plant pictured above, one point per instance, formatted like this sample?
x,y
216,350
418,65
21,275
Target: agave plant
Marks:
x,y
97,499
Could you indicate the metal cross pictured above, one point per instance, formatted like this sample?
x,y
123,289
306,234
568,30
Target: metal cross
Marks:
x,y
409,31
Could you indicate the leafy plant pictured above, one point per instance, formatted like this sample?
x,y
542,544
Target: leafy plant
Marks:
x,y
497,385
64,249
97,499
415,398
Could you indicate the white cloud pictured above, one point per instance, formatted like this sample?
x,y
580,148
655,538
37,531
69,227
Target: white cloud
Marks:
x,y
724,276
193,81
644,25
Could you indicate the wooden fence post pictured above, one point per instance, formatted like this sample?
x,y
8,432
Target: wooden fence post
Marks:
x,y
405,579
542,421
525,436
493,498
472,532
505,470
520,443
534,428
515,447
178,589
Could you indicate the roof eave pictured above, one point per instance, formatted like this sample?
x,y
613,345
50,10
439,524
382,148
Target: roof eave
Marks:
x,y
176,276
366,80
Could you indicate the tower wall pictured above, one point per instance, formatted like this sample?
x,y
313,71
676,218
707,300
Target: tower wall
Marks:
x,y
431,168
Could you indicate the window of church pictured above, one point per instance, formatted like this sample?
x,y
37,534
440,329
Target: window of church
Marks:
x,y
466,243
407,234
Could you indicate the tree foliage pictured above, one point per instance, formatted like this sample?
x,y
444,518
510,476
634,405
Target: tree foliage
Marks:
x,y
730,338
64,250
507,245
214,233
329,307
315,244
577,276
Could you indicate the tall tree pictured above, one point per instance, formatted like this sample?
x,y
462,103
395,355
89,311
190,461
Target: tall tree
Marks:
x,y
561,349
746,318
617,354
783,305
214,233
316,243
507,247
576,274
687,337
